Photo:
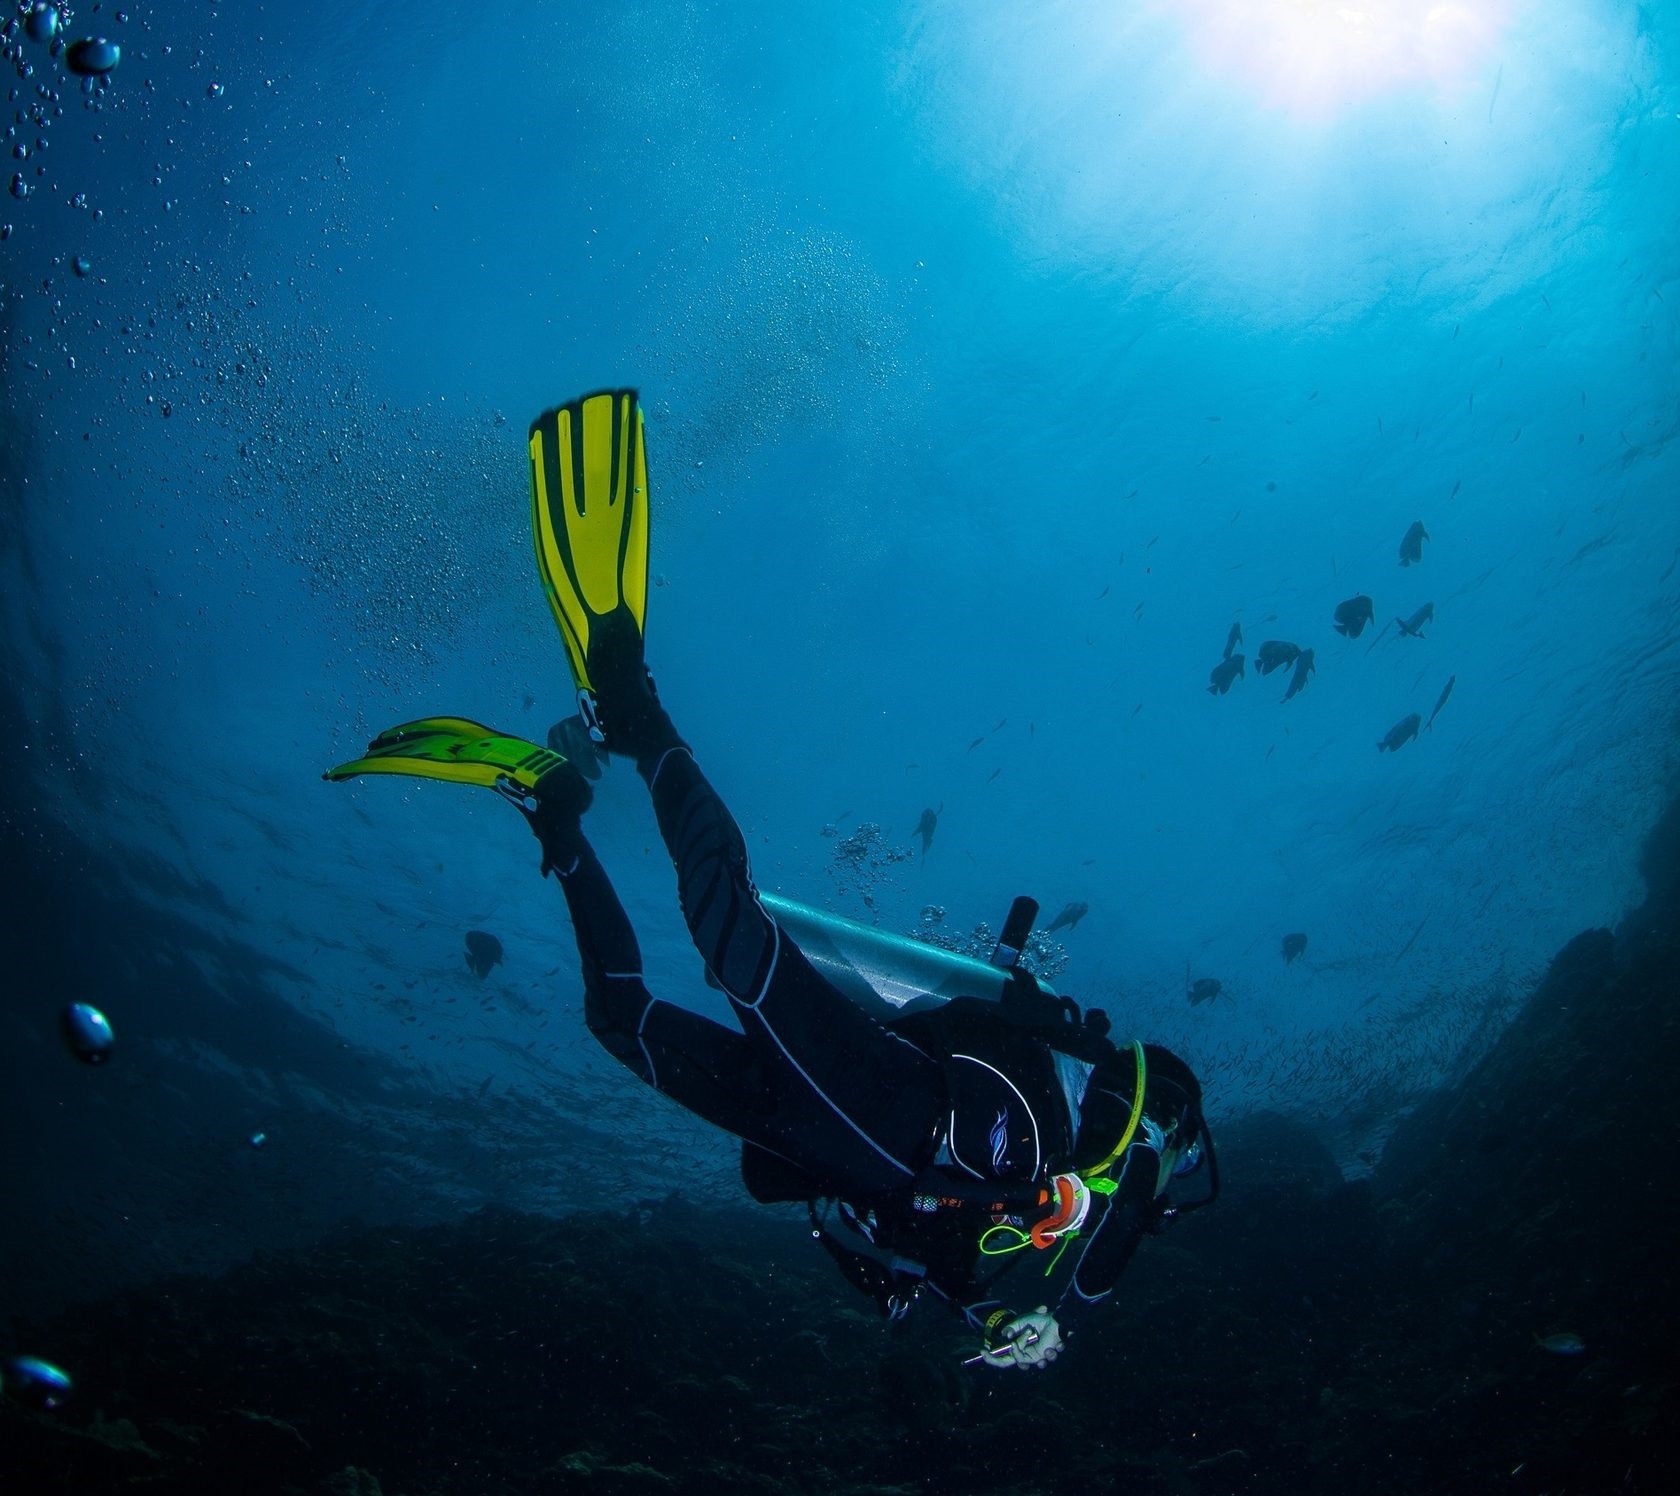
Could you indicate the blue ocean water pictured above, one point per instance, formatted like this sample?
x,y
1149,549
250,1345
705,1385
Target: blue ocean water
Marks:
x,y
997,360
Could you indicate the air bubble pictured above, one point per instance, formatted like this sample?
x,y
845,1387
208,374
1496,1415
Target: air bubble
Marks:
x,y
92,56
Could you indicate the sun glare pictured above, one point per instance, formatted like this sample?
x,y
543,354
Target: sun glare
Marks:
x,y
1314,58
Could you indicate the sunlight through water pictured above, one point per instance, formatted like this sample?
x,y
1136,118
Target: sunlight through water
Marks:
x,y
1316,58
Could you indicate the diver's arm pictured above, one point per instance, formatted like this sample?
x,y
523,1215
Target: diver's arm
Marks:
x,y
1126,1218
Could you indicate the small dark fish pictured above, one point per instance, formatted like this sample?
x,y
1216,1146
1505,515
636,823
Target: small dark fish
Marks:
x,y
1293,946
483,951
1352,616
1232,640
1275,654
1412,627
1441,701
1591,546
1304,668
1223,674
1069,917
571,740
975,744
1400,734
1203,990
924,828
1411,543
529,701
1564,1343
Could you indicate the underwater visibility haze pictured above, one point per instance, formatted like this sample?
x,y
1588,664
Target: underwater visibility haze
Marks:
x,y
1212,468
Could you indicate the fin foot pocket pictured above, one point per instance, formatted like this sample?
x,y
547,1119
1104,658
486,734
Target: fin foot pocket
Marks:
x,y
629,718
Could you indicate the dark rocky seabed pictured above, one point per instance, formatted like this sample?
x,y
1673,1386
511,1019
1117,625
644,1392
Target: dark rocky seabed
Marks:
x,y
1308,1335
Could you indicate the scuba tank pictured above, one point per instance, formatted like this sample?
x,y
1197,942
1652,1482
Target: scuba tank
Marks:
x,y
892,976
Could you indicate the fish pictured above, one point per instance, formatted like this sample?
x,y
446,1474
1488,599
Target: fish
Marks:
x,y
1274,654
483,951
569,737
1069,917
1440,701
1400,734
1293,946
1222,674
1411,543
1564,1343
1232,640
924,828
1203,990
1352,616
1304,668
1412,627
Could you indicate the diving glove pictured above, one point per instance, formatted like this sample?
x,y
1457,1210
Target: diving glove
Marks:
x,y
1027,1340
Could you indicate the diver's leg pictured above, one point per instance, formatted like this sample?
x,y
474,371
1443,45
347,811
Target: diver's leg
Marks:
x,y
861,1105
707,1068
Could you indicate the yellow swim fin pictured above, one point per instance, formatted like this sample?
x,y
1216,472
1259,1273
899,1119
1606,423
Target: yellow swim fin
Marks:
x,y
459,751
589,519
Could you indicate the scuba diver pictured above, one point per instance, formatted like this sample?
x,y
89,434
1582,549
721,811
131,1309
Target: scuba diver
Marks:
x,y
954,1141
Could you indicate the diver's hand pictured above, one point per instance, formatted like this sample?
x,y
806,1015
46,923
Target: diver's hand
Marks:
x,y
1027,1340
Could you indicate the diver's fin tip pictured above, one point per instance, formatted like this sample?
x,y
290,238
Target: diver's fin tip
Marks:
x,y
589,496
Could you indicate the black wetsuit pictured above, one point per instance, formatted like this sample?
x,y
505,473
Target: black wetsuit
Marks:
x,y
927,1129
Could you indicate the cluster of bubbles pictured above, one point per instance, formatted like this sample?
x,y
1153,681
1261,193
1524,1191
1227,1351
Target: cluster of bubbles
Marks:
x,y
860,861
794,315
1041,955
41,32
399,519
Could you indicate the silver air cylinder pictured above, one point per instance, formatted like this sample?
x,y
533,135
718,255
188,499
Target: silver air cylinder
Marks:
x,y
884,974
